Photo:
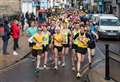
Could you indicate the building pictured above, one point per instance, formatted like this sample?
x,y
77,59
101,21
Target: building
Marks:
x,y
9,7
32,5
112,7
27,6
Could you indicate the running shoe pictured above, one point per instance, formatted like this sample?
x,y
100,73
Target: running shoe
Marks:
x,y
56,67
45,67
15,53
78,75
63,64
37,70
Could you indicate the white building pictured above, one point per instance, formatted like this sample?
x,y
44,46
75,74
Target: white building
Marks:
x,y
27,5
59,3
30,5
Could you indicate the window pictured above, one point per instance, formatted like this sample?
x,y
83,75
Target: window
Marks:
x,y
110,22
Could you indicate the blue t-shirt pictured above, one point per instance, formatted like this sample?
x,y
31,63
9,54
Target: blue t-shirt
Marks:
x,y
31,31
93,28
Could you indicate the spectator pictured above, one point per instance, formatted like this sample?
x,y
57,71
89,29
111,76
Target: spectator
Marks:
x,y
32,16
22,21
15,32
27,15
5,37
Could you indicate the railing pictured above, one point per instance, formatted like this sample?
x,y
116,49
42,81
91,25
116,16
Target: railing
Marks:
x,y
112,65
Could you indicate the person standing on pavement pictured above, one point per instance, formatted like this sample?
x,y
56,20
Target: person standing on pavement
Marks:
x,y
15,32
22,20
6,36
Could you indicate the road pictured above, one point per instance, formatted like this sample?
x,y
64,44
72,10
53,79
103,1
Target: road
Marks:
x,y
24,71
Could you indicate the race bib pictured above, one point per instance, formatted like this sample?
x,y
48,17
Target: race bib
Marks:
x,y
45,39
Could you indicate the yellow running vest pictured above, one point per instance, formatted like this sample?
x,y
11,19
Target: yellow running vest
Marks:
x,y
58,38
83,42
38,39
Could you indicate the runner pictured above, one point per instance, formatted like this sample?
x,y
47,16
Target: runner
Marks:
x,y
52,32
74,41
37,49
46,39
66,40
92,35
81,50
57,39
31,31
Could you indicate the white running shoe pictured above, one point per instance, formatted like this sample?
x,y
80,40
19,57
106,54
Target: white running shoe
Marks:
x,y
15,53
56,67
78,75
45,66
63,64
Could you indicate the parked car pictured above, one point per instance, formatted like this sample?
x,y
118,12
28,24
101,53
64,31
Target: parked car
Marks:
x,y
108,26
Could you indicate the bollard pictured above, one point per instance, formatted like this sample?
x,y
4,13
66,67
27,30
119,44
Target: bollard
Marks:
x,y
107,69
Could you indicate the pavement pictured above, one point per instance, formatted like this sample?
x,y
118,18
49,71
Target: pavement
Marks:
x,y
8,60
97,73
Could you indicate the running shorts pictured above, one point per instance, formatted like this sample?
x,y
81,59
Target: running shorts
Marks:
x,y
59,48
36,52
82,50
91,45
66,45
45,48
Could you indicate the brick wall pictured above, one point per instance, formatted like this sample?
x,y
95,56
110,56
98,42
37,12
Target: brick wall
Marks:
x,y
9,6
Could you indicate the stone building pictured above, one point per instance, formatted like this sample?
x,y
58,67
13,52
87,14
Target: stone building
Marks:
x,y
112,7
9,7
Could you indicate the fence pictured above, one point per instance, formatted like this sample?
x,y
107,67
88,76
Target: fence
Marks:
x,y
112,67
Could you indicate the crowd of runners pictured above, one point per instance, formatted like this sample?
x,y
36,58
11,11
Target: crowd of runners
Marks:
x,y
72,31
